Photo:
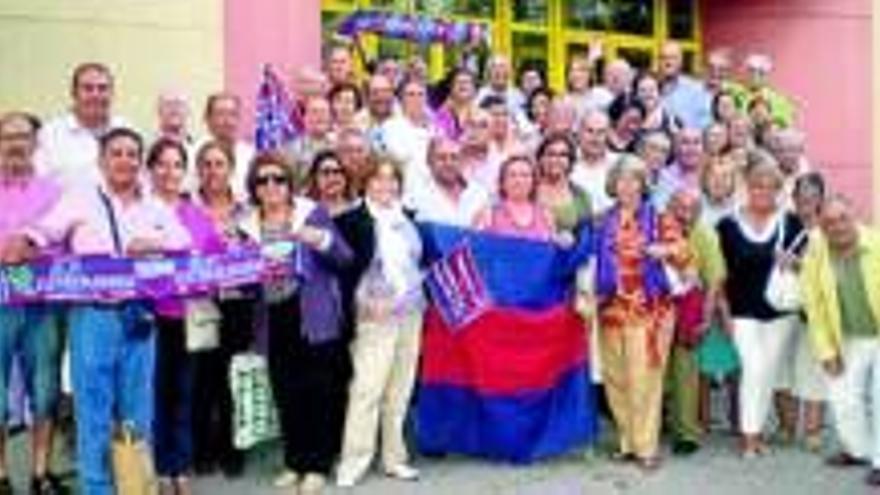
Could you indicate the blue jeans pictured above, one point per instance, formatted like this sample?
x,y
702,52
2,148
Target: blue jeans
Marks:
x,y
32,333
112,373
172,429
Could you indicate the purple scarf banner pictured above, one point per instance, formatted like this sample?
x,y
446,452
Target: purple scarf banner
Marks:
x,y
416,28
87,279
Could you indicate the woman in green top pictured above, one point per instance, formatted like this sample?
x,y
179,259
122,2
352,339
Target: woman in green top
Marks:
x,y
568,204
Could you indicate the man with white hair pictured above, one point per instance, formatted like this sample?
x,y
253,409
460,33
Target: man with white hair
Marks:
x,y
173,112
616,80
683,96
499,84
590,173
757,86
718,70
788,147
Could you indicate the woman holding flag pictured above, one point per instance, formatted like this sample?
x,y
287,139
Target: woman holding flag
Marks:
x,y
635,247
517,212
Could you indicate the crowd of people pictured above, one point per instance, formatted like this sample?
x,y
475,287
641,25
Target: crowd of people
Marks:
x,y
697,192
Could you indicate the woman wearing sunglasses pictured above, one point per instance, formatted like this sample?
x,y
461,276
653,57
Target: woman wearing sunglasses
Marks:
x,y
308,361
330,185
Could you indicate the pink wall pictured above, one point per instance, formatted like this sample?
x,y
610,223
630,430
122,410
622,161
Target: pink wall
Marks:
x,y
284,33
822,57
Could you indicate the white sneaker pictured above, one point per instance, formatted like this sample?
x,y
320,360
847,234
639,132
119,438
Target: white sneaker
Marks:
x,y
403,472
287,478
349,474
346,481
312,484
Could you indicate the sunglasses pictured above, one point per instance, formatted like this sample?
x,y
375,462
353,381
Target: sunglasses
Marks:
x,y
277,179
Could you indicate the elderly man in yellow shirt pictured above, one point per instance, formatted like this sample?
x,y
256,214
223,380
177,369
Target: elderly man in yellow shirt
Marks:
x,y
841,290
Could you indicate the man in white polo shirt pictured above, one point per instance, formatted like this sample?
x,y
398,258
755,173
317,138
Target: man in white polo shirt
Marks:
x,y
448,198
67,146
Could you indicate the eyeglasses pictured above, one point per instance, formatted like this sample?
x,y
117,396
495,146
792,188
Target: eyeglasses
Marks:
x,y
277,179
331,171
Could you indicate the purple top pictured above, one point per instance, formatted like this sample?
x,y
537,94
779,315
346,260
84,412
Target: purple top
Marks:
x,y
204,238
445,121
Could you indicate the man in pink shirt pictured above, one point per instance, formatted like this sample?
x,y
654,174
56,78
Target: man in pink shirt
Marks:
x,y
29,332
111,345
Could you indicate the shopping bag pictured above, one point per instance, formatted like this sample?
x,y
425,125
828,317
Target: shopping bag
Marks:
x,y
133,471
202,325
255,417
783,291
689,317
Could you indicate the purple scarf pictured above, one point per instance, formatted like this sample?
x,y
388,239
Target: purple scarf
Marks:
x,y
654,278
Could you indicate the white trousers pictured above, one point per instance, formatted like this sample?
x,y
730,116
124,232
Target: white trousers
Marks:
x,y
810,383
763,346
385,356
855,399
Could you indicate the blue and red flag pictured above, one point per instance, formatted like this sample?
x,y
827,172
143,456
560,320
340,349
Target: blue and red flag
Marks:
x,y
512,383
278,118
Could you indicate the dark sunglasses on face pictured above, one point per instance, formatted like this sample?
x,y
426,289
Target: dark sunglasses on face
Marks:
x,y
277,179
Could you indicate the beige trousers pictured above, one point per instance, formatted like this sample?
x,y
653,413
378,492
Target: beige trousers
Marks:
x,y
634,385
385,355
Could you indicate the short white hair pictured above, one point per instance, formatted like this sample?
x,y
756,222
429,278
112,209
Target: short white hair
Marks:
x,y
172,95
497,59
791,136
721,55
592,114
760,62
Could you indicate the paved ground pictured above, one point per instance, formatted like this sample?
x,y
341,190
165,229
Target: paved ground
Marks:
x,y
715,470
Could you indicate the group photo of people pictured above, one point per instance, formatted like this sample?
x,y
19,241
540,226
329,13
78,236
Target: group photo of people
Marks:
x,y
724,288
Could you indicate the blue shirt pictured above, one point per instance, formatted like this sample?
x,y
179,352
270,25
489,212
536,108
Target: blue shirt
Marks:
x,y
689,100
669,181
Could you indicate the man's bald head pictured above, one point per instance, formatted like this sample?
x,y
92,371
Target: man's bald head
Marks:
x,y
671,59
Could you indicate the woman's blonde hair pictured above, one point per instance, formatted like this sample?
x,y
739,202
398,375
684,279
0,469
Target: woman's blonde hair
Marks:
x,y
628,164
760,164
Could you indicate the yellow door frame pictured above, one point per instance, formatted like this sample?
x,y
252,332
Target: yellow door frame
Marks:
x,y
559,36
